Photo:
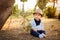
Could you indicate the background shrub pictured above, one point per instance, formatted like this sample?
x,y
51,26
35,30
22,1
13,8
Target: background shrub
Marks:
x,y
59,16
49,12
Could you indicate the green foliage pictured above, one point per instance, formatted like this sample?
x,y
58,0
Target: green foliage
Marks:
x,y
26,13
41,4
59,16
50,12
16,11
23,0
28,28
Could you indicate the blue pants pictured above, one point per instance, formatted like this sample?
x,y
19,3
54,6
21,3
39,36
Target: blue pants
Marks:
x,y
36,34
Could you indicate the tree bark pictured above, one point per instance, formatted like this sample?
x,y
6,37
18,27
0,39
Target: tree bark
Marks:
x,y
6,7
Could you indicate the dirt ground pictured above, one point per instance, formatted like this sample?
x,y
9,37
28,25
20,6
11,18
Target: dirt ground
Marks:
x,y
52,28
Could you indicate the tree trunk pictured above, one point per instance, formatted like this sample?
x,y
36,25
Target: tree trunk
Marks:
x,y
6,7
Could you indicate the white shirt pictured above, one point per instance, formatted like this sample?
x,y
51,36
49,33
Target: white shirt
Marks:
x,y
39,27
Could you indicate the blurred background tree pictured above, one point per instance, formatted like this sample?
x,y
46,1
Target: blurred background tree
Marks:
x,y
50,10
23,6
41,4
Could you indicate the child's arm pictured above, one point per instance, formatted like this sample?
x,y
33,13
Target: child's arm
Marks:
x,y
42,26
34,29
33,26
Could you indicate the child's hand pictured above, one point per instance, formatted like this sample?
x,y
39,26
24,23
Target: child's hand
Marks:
x,y
35,29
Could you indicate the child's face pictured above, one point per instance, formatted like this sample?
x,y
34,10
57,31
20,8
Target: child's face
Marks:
x,y
37,16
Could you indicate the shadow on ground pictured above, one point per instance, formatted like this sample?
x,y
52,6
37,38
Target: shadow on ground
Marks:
x,y
17,35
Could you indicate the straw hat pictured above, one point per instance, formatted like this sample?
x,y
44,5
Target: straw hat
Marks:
x,y
38,11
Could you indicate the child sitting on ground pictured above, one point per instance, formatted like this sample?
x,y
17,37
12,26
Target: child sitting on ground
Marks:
x,y
37,27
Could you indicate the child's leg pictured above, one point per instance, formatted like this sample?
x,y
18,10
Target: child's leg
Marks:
x,y
36,34
41,31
